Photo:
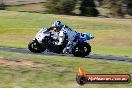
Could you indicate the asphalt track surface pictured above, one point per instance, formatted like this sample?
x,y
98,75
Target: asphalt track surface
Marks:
x,y
98,57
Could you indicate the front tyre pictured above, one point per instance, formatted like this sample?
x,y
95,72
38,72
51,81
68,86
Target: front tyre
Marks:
x,y
81,49
35,47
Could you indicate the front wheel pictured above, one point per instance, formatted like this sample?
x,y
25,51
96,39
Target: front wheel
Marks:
x,y
81,49
35,47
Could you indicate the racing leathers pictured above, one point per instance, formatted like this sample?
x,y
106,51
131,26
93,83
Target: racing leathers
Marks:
x,y
70,35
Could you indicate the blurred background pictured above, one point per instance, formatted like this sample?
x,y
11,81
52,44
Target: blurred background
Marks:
x,y
103,8
108,20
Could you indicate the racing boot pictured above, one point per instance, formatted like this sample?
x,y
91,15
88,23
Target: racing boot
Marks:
x,y
67,50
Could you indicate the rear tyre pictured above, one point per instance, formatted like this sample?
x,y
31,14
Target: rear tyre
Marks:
x,y
35,47
81,49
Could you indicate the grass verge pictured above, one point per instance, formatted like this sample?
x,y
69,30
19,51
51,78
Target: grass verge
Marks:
x,y
55,71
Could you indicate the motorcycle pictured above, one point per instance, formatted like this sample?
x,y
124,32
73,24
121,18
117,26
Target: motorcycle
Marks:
x,y
45,40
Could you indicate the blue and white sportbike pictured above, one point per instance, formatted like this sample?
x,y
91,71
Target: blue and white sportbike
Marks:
x,y
45,41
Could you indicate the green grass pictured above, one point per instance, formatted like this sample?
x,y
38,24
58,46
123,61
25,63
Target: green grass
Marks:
x,y
112,36
113,51
55,71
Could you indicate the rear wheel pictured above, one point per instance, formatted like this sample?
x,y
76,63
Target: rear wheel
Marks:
x,y
81,49
35,47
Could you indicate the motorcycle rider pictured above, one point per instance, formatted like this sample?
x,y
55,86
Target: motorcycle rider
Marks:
x,y
62,32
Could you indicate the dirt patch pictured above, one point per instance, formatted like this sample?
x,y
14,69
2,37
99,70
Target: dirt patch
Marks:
x,y
20,2
102,20
32,64
20,62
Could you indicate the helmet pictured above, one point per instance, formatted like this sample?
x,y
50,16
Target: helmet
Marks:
x,y
57,24
89,36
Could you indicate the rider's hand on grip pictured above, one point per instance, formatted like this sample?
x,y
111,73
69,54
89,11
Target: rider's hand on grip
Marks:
x,y
50,28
